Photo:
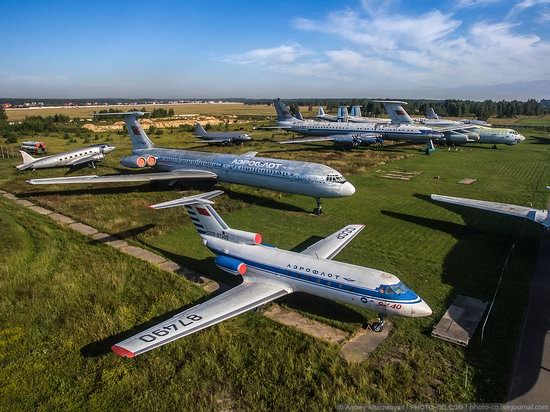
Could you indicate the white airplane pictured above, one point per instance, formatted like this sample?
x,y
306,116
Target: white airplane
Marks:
x,y
353,117
539,216
269,273
74,158
348,141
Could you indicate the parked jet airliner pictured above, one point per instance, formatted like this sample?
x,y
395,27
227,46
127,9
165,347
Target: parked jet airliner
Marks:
x,y
401,132
269,273
289,176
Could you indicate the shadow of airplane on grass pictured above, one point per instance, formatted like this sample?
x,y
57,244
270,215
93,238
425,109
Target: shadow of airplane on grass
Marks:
x,y
473,267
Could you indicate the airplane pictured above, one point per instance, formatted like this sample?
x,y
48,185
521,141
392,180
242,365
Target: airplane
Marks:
x,y
431,115
539,216
353,117
408,132
172,165
356,117
351,141
269,273
224,138
74,158
460,133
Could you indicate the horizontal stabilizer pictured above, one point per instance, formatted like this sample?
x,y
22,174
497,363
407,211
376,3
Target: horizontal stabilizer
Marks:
x,y
132,114
189,200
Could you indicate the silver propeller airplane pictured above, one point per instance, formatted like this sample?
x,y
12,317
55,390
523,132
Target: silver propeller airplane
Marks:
x,y
86,156
269,273
289,176
540,216
224,138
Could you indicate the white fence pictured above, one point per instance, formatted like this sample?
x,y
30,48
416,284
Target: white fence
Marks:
x,y
7,152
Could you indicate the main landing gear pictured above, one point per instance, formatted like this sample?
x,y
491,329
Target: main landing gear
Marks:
x,y
318,210
377,326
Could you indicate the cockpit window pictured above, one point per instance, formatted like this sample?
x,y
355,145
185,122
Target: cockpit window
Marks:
x,y
336,178
398,289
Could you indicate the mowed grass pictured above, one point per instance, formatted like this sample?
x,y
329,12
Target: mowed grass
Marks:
x,y
251,362
226,109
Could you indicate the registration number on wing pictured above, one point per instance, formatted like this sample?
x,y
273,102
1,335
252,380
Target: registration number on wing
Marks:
x,y
170,328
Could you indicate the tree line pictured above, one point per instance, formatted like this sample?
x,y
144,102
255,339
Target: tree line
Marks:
x,y
451,107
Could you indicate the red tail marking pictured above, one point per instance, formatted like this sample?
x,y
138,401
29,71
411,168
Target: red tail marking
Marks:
x,y
202,211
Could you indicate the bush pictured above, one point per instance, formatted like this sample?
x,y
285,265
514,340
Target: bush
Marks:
x,y
11,138
66,136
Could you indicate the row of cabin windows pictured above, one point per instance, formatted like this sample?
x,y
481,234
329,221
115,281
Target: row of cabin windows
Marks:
x,y
70,157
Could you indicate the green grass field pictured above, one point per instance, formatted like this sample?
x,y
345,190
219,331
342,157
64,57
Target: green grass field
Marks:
x,y
66,299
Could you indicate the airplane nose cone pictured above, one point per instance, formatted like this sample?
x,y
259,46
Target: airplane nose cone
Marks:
x,y
347,189
421,309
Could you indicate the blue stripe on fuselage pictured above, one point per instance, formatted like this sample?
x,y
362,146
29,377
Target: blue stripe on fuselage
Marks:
x,y
409,297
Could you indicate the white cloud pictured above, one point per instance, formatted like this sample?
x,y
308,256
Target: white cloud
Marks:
x,y
526,4
283,54
433,49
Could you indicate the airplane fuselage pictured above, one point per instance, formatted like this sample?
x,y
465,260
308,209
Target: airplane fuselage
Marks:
x,y
303,178
94,153
387,130
343,282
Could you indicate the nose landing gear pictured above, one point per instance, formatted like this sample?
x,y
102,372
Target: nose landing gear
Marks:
x,y
318,210
377,326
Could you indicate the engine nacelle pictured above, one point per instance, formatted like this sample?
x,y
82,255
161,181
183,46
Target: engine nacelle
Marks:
x,y
459,138
134,161
240,236
231,265
151,160
472,136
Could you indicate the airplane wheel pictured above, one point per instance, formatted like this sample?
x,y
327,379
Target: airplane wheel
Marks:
x,y
377,326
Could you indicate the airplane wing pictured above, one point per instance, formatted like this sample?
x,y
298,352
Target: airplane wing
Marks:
x,y
214,141
330,246
249,154
456,128
81,161
248,295
129,178
309,140
537,215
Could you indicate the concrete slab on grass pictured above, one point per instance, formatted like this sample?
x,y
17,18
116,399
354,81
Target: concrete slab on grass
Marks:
x,y
460,321
170,266
2,192
10,196
62,219
467,181
308,326
143,254
24,202
103,237
360,346
40,210
117,244
84,229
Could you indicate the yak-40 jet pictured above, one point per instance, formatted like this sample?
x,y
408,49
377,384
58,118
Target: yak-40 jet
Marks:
x,y
75,158
224,138
391,131
269,273
302,178
540,216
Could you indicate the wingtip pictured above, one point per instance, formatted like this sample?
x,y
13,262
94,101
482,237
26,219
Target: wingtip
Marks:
x,y
120,351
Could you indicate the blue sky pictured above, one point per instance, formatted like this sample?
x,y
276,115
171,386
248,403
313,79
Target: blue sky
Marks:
x,y
372,48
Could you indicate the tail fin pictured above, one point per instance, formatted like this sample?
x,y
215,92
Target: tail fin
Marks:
x,y
355,111
199,130
283,112
202,214
431,114
299,115
139,138
396,112
27,160
343,115
320,112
